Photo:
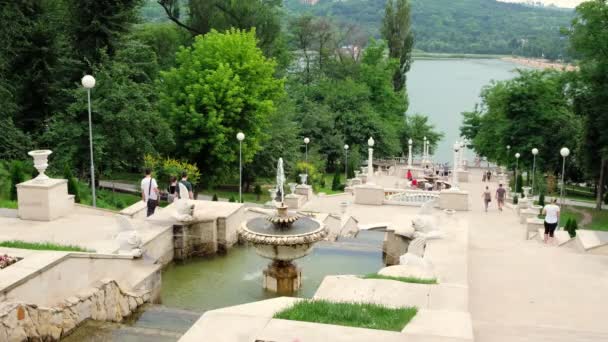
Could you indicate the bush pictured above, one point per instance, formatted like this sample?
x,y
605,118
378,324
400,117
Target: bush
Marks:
x,y
165,168
232,199
571,227
315,178
335,183
520,183
515,199
214,198
17,172
606,198
257,190
541,199
72,183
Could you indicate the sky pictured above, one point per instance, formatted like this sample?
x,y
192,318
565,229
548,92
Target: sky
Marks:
x,y
559,3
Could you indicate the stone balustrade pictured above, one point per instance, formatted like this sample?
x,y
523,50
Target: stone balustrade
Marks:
x,y
409,197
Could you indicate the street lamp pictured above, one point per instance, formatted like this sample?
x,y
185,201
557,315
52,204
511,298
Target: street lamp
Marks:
x,y
346,163
517,155
508,156
370,162
306,141
534,153
409,153
424,150
88,82
240,136
454,172
565,152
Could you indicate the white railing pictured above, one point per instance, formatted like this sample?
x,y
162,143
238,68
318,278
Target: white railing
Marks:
x,y
409,197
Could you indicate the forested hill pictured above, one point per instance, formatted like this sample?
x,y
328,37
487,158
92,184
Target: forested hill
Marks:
x,y
460,26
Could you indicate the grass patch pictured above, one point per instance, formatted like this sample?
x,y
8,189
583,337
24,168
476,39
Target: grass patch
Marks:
x,y
43,246
401,279
4,203
327,188
370,316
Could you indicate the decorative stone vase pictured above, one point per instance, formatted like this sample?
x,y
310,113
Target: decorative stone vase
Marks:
x,y
343,206
526,190
273,194
41,158
292,187
357,172
303,178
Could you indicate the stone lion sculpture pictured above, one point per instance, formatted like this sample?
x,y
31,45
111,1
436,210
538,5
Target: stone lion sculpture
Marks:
x,y
129,241
184,210
415,255
425,223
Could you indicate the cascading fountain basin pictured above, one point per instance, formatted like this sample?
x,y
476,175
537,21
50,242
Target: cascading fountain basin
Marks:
x,y
283,238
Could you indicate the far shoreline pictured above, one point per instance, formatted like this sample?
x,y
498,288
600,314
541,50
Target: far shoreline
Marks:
x,y
535,63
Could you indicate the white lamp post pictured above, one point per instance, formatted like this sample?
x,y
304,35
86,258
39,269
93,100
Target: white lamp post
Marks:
x,y
240,136
88,82
517,155
463,145
565,152
346,163
534,153
306,141
370,162
409,153
454,169
424,150
508,156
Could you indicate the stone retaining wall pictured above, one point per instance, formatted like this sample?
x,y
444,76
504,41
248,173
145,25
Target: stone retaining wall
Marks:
x,y
105,301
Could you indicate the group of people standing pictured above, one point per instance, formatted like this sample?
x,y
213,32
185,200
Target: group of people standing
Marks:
x,y
150,193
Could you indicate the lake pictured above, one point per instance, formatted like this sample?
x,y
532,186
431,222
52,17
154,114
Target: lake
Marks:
x,y
444,88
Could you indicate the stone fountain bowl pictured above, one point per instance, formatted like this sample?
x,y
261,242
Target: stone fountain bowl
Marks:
x,y
283,243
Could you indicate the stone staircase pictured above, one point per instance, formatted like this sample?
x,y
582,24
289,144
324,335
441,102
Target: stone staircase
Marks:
x,y
591,241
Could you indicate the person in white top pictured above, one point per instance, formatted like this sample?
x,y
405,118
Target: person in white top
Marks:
x,y
551,212
149,192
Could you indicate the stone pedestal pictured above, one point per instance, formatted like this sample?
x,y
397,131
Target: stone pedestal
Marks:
x,y
44,200
525,214
533,225
463,176
304,190
454,199
369,194
282,277
522,204
294,201
363,178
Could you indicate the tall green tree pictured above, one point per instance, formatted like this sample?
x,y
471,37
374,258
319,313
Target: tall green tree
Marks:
x,y
222,84
589,40
397,31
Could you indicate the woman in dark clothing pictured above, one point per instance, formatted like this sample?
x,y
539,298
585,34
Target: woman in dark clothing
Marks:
x,y
172,190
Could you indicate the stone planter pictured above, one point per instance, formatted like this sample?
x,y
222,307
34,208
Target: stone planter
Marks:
x,y
303,178
292,187
41,158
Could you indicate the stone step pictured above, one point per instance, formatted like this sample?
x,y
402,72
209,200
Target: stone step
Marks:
x,y
561,237
592,241
451,324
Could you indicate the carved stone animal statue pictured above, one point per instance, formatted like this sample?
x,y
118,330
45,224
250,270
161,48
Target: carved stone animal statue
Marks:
x,y
415,255
184,210
128,238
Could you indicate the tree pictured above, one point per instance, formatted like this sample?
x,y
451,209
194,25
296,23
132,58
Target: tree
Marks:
x,y
222,85
589,39
335,183
397,31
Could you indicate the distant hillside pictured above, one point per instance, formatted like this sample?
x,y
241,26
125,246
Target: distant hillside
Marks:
x,y
462,26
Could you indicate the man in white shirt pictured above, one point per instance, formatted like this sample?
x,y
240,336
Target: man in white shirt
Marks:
x,y
551,212
149,192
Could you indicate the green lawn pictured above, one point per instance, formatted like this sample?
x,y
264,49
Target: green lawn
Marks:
x,y
327,188
368,316
401,279
5,203
42,246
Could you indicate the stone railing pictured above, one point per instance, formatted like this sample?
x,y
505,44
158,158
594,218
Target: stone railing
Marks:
x,y
409,197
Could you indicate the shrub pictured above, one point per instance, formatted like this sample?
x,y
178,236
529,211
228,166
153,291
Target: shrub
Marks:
x,y
520,183
257,190
72,183
571,227
515,199
551,183
17,172
606,198
541,199
164,168
214,198
335,183
315,178
232,199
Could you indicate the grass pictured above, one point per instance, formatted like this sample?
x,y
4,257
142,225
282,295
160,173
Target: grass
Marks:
x,y
327,188
370,316
5,203
43,246
401,279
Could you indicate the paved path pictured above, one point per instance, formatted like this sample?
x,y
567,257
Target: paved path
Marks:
x,y
124,187
525,291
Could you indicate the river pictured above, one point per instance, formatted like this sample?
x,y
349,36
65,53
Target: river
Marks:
x,y
444,88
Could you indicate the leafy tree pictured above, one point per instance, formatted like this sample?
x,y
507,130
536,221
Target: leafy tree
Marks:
x,y
589,39
335,183
72,183
397,31
14,144
164,39
17,170
222,85
541,199
520,183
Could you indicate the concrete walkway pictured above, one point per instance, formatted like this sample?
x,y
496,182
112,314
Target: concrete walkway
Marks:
x,y
525,291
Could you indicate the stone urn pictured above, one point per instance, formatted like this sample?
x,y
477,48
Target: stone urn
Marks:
x,y
303,178
343,207
41,162
526,190
292,187
357,172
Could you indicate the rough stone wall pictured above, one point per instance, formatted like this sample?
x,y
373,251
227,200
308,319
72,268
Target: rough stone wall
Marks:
x,y
199,238
105,301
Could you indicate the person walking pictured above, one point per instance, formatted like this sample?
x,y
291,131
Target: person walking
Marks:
x,y
172,189
500,196
487,198
551,212
187,184
409,175
149,192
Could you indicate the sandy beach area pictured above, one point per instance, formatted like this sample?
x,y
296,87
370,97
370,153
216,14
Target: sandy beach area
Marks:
x,y
540,63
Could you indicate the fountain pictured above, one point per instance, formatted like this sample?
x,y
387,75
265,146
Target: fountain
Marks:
x,y
282,237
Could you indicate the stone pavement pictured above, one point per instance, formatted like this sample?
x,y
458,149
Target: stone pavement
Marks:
x,y
525,291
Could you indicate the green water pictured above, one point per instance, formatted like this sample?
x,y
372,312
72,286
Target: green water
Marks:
x,y
444,88
208,283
